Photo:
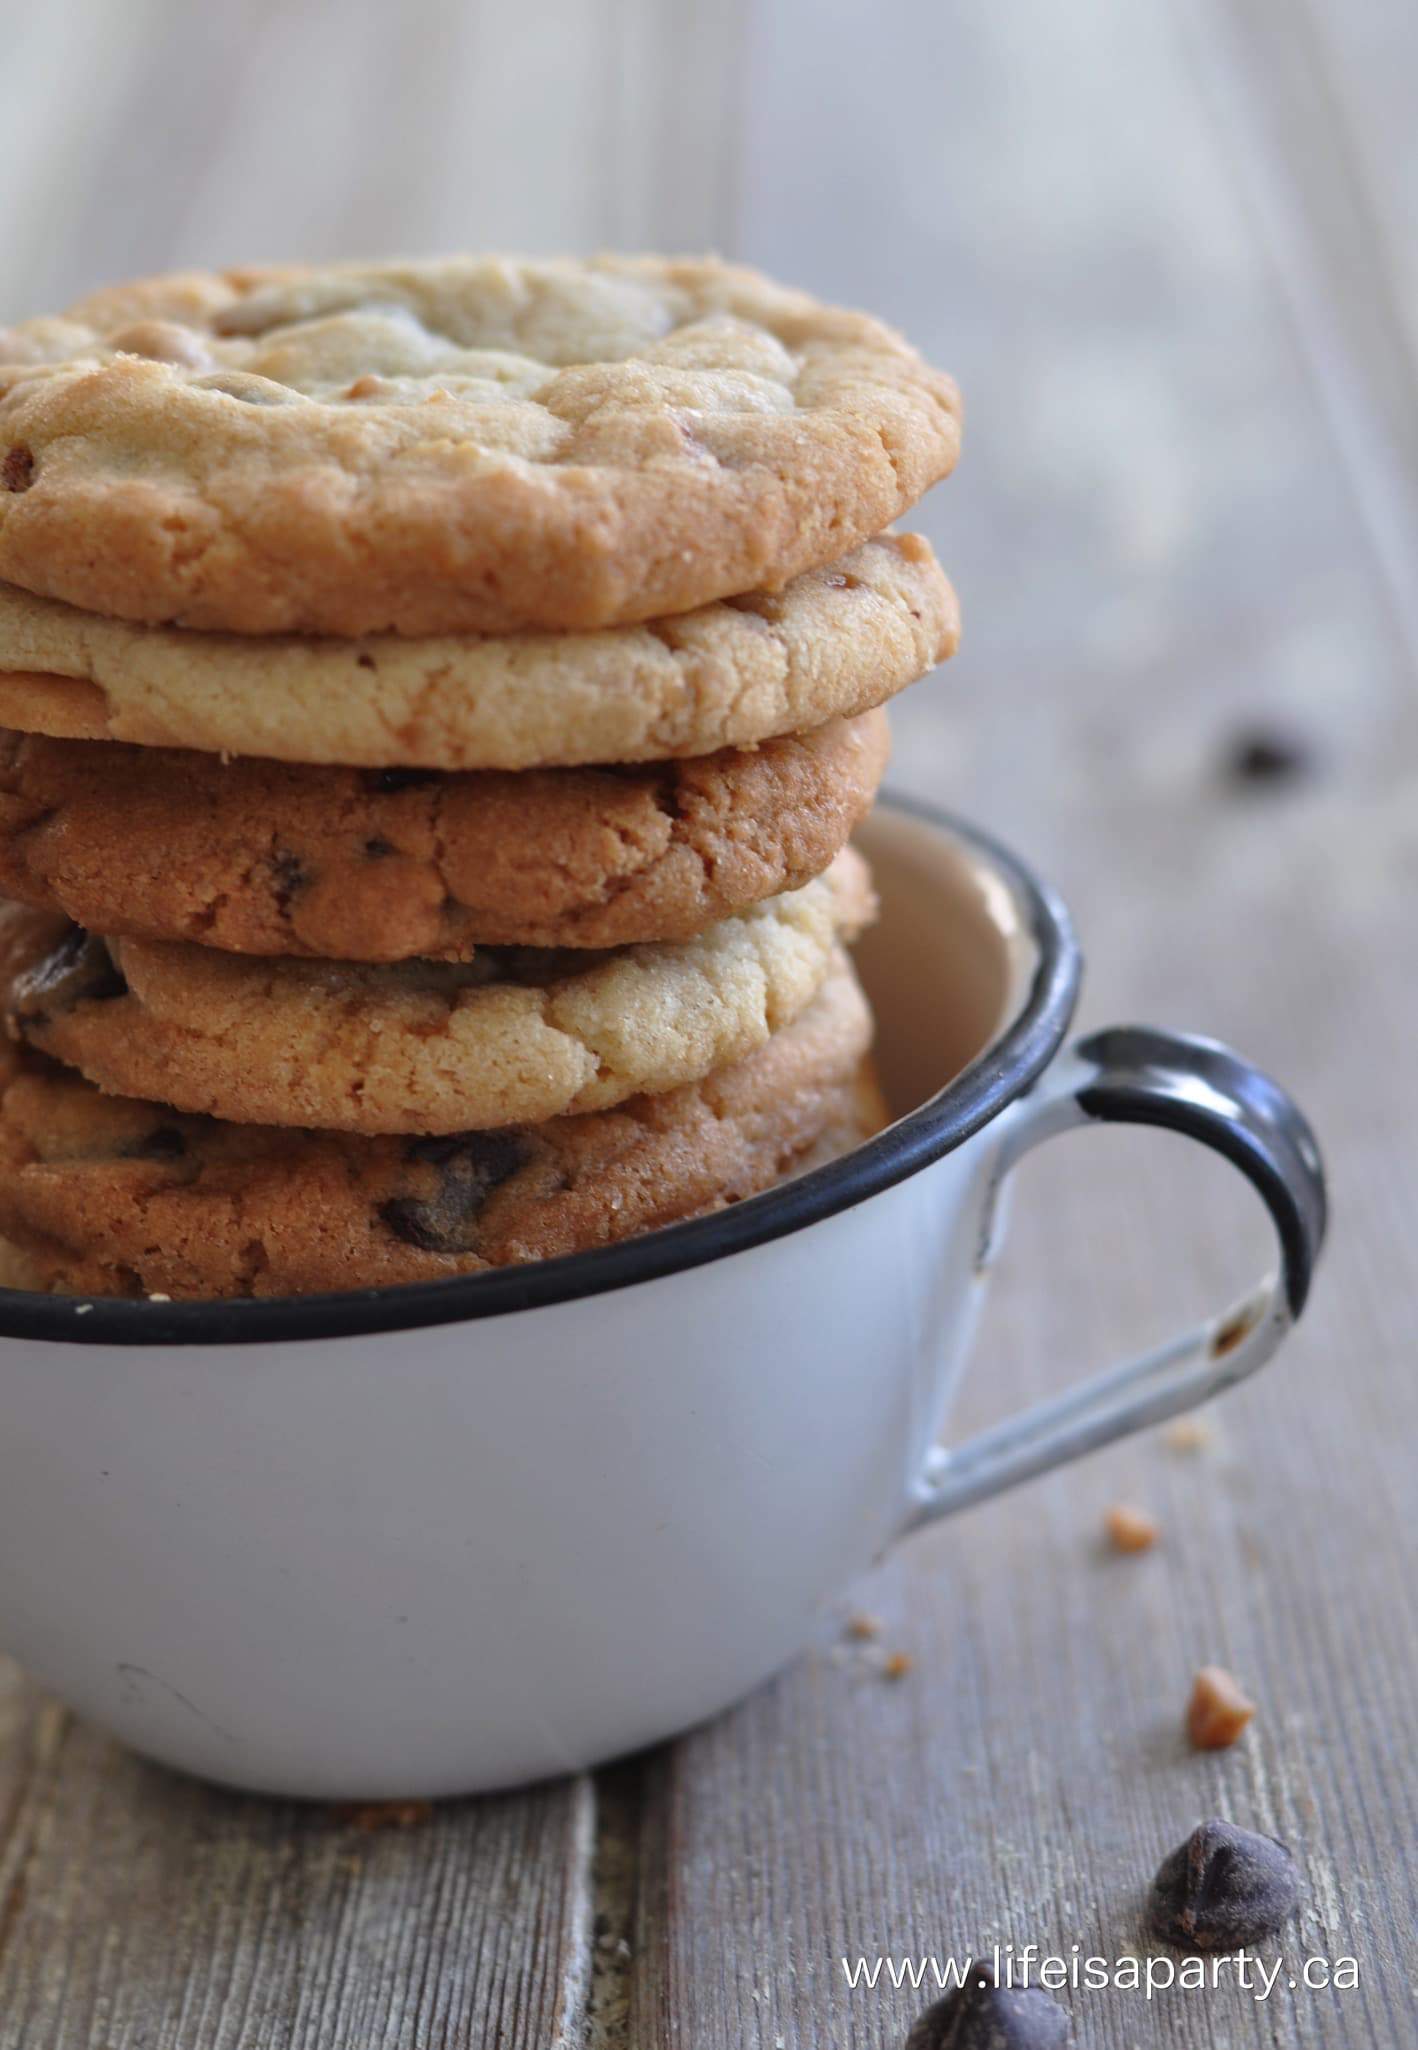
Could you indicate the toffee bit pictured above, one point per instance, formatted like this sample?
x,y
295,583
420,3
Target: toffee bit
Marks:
x,y
368,1817
1218,1710
1129,1528
1190,1434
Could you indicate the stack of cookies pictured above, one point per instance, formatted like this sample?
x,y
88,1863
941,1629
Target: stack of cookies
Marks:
x,y
436,701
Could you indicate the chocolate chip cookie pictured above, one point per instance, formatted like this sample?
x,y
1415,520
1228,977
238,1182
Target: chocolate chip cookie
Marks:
x,y
104,1195
835,642
467,446
258,857
512,1036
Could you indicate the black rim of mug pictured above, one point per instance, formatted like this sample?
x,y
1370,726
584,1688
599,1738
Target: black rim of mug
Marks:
x,y
1005,1071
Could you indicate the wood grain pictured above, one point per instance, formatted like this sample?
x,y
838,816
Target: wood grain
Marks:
x,y
1164,534
139,1908
1167,251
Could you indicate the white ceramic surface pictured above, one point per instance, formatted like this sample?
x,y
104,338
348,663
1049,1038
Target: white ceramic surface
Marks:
x,y
434,1560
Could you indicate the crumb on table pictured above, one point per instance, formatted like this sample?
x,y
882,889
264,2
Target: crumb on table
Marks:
x,y
1218,1710
1129,1528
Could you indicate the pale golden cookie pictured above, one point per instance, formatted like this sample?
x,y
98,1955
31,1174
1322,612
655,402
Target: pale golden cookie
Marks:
x,y
836,642
107,1196
258,857
468,446
513,1036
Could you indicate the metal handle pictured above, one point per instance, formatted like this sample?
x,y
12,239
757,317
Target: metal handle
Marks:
x,y
1136,1075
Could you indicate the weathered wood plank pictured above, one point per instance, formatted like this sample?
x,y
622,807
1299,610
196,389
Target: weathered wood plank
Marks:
x,y
191,136
1303,99
137,1908
1160,536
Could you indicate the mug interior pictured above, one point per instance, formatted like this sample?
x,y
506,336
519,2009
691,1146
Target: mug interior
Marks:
x,y
948,963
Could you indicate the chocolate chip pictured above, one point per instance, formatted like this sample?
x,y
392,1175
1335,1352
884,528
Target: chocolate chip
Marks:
x,y
1267,754
982,2015
289,874
469,1166
17,468
1222,1889
165,1142
80,970
378,849
384,781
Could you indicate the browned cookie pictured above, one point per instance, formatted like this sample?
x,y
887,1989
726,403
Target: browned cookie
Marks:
x,y
258,857
107,1196
513,1036
474,445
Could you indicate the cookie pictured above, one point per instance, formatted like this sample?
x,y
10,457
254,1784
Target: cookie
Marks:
x,y
467,446
513,1036
18,1270
834,643
260,857
103,1195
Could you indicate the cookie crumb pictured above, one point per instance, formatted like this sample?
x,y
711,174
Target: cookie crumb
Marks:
x,y
371,1816
896,1665
1190,1434
863,1627
1129,1528
1218,1710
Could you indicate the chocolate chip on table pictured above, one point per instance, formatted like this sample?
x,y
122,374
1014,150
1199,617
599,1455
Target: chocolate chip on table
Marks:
x,y
80,970
469,1166
982,2015
1222,1889
1218,1710
1267,754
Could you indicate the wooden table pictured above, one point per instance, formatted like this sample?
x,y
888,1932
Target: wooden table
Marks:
x,y
1168,251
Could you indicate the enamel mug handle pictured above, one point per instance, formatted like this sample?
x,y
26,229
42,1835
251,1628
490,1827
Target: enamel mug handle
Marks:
x,y
1136,1075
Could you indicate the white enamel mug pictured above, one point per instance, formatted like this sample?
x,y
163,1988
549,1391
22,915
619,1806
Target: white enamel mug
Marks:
x,y
424,1541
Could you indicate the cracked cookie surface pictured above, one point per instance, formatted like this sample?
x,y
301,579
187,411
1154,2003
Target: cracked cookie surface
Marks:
x,y
104,1195
257,857
512,1036
835,642
472,445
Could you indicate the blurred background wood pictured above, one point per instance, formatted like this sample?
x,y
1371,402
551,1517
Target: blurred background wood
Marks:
x,y
1168,252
